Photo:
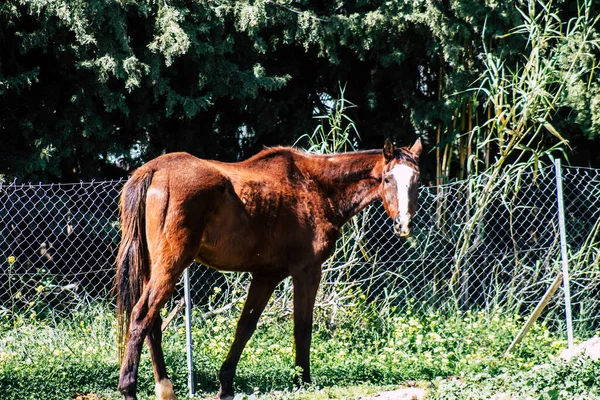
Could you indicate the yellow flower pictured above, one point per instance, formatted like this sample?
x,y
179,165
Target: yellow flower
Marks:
x,y
11,259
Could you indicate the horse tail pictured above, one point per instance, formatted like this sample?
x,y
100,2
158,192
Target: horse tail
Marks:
x,y
132,259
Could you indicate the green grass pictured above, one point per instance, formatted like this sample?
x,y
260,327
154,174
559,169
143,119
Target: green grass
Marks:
x,y
575,379
364,353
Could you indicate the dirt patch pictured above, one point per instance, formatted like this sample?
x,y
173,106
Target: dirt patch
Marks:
x,y
90,396
590,348
400,394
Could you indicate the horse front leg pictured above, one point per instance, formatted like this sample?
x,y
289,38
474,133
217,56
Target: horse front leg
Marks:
x,y
305,292
261,288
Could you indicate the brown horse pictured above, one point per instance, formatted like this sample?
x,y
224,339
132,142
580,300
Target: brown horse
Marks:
x,y
274,215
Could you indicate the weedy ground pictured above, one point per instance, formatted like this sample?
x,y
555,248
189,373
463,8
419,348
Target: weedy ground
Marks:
x,y
455,355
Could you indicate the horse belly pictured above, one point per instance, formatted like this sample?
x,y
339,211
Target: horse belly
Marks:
x,y
252,246
234,242
256,227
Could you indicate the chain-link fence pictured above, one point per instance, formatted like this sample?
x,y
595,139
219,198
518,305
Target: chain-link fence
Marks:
x,y
57,246
471,249
582,220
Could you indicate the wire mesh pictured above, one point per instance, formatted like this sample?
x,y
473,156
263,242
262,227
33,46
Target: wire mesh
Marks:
x,y
57,246
58,243
582,219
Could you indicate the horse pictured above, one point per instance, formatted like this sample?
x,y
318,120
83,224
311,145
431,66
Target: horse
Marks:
x,y
274,215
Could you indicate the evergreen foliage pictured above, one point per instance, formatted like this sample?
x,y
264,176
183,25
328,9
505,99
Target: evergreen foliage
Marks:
x,y
90,89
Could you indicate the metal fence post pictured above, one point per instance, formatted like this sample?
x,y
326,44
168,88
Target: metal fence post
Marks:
x,y
188,330
563,251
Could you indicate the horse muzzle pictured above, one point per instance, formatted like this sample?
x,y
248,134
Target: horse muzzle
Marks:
x,y
402,228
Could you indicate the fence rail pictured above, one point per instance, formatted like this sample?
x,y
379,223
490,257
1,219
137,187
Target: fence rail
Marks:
x,y
58,243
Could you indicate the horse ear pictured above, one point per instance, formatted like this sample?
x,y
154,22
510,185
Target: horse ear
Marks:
x,y
388,150
416,149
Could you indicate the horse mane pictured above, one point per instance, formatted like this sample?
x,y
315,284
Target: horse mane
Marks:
x,y
338,166
268,153
275,151
341,167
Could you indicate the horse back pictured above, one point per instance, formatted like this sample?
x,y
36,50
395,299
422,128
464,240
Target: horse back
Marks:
x,y
260,214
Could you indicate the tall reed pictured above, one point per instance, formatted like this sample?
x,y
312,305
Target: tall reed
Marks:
x,y
523,99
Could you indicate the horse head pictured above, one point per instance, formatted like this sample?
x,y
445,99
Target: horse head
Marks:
x,y
399,184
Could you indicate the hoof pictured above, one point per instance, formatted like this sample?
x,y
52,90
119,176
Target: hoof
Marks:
x,y
164,390
222,396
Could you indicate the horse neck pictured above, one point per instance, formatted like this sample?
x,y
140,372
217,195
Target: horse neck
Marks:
x,y
348,181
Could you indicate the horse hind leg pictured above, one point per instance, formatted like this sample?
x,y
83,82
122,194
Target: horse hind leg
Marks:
x,y
143,323
133,347
163,387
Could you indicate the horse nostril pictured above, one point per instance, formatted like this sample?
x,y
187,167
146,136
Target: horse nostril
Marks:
x,y
403,233
400,229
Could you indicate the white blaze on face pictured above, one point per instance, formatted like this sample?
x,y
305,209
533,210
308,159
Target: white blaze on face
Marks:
x,y
403,175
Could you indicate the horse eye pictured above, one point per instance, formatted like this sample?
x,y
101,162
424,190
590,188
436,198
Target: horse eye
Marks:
x,y
386,180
